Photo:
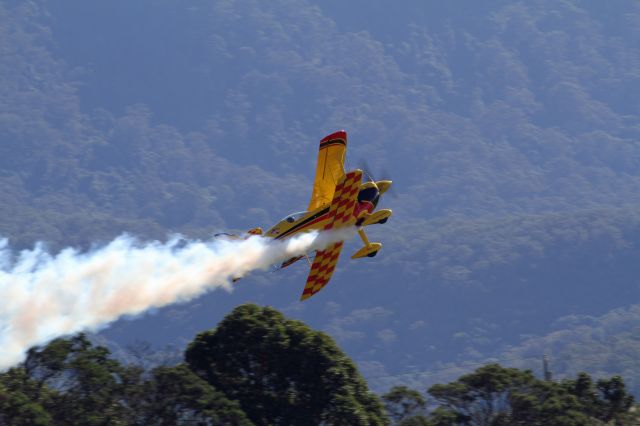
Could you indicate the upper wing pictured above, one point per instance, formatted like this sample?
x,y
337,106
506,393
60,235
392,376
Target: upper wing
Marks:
x,y
341,212
330,168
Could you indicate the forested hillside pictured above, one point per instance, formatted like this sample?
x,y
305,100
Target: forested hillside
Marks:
x,y
511,130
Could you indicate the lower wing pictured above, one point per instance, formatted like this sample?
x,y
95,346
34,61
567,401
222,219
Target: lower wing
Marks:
x,y
321,270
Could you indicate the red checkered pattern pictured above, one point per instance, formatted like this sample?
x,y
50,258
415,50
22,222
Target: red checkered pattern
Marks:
x,y
342,208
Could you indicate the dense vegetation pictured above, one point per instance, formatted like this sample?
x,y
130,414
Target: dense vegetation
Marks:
x,y
258,367
282,372
494,395
510,128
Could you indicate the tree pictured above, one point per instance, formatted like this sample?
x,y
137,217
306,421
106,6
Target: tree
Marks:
x,y
82,381
16,406
174,396
494,395
483,396
607,401
282,372
403,403
616,401
72,382
417,420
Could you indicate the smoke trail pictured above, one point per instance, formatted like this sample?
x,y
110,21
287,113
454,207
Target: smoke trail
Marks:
x,y
43,297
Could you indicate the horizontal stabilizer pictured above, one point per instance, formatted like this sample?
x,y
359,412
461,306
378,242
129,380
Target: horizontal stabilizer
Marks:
x,y
255,231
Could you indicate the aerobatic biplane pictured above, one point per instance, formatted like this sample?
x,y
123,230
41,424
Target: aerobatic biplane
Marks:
x,y
339,199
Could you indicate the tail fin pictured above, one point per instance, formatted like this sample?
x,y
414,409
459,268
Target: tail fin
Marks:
x,y
255,231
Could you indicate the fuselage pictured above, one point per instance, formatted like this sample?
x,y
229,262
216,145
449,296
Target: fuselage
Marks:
x,y
319,218
300,222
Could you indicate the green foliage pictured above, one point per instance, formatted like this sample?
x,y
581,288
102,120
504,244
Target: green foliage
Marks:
x,y
258,367
402,402
494,395
279,371
72,382
282,372
17,407
608,401
175,395
615,400
67,382
82,380
417,420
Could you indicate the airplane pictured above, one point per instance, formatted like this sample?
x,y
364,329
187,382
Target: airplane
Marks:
x,y
339,199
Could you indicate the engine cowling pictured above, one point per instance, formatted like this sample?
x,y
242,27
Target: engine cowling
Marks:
x,y
369,192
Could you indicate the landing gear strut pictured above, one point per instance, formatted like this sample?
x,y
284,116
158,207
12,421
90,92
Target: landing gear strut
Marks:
x,y
369,250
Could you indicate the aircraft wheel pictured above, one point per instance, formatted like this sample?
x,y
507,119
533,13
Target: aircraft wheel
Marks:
x,y
372,254
383,220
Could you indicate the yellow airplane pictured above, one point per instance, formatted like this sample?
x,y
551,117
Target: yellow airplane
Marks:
x,y
339,199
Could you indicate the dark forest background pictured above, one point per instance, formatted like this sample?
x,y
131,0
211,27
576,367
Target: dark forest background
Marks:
x,y
511,131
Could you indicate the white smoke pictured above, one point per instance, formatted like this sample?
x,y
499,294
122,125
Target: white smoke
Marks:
x,y
44,296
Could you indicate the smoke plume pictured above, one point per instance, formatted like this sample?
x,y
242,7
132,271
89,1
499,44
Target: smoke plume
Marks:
x,y
45,296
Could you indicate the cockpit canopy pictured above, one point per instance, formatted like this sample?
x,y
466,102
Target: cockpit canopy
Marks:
x,y
294,217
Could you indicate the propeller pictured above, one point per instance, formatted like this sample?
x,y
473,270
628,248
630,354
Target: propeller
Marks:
x,y
384,174
364,166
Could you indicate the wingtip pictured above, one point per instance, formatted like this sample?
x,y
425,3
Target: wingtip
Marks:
x,y
306,293
340,134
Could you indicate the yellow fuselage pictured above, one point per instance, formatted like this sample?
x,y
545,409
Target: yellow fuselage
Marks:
x,y
316,219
